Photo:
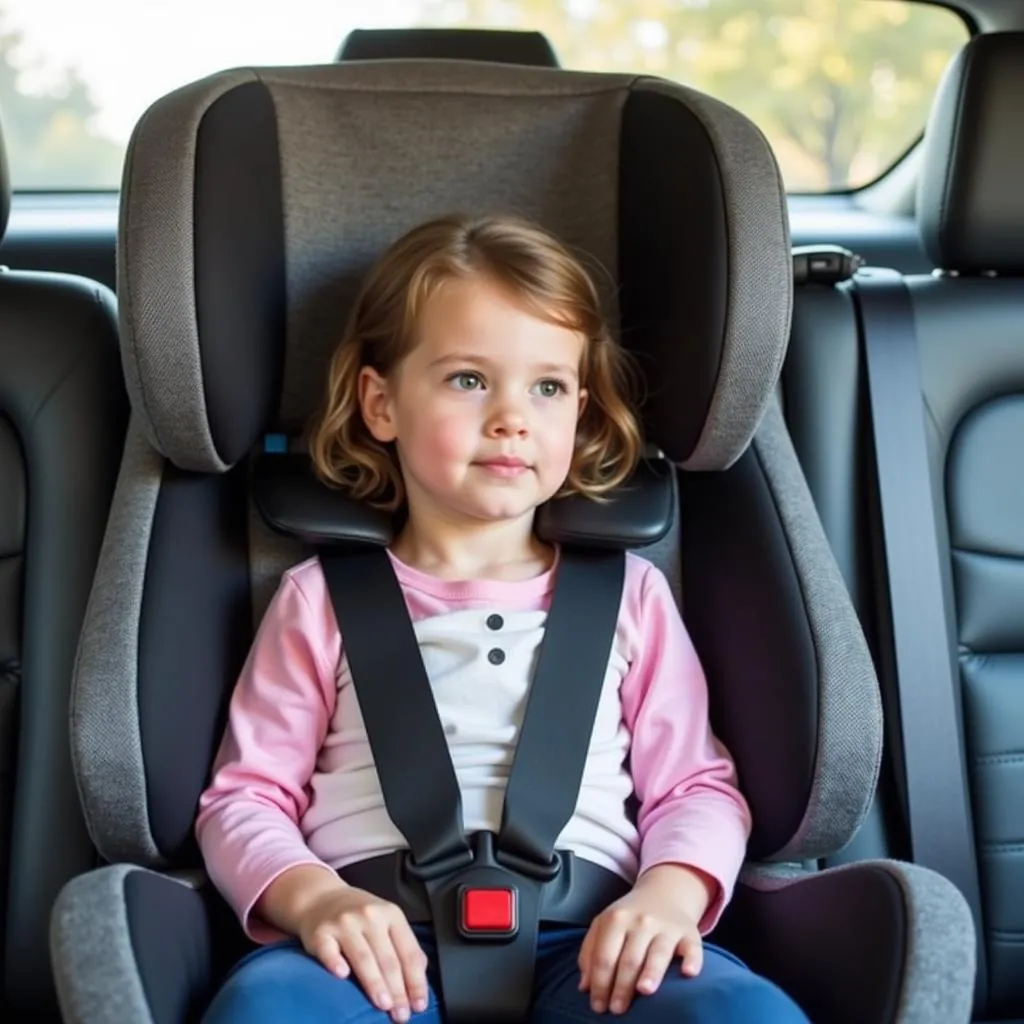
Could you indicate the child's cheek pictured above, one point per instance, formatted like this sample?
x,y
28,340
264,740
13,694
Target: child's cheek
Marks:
x,y
446,436
562,440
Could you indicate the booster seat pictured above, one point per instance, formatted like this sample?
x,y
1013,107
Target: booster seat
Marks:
x,y
253,202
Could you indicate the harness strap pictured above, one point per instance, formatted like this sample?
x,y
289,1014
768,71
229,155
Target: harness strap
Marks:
x,y
481,979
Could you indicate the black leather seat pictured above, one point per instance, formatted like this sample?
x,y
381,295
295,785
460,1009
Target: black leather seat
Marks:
x,y
970,327
63,414
502,46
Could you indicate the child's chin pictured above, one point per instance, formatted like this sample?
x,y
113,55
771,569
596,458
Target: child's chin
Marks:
x,y
502,511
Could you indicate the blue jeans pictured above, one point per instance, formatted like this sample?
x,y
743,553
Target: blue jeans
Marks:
x,y
280,983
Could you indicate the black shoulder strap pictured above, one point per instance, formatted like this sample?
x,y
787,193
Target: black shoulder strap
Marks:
x,y
551,755
410,752
405,732
941,829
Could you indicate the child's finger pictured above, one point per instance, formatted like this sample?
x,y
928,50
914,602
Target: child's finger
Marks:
x,y
390,966
328,951
659,956
604,959
414,965
364,963
691,949
627,972
583,960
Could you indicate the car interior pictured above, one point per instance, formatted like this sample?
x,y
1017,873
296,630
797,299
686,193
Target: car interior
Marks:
x,y
833,385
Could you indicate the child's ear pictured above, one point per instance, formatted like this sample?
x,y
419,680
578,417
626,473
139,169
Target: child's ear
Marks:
x,y
376,406
583,402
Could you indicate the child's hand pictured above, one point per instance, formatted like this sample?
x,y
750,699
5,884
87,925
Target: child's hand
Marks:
x,y
631,943
352,930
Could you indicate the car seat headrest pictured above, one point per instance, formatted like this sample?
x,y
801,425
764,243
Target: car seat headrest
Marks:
x,y
970,203
294,502
502,46
255,201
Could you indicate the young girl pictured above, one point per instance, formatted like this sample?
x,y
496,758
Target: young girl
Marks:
x,y
476,380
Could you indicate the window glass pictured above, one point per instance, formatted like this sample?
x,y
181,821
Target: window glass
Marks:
x,y
841,88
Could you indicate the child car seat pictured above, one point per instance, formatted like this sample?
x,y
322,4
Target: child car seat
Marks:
x,y
254,201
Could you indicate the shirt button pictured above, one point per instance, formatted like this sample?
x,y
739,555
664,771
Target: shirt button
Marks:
x,y
495,622
496,656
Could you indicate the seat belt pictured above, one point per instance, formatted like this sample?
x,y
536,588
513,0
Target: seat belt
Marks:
x,y
938,803
486,893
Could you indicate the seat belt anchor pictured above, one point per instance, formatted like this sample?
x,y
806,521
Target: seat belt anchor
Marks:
x,y
446,864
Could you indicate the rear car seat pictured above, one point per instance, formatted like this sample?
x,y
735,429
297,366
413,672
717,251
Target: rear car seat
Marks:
x,y
228,321
63,411
970,336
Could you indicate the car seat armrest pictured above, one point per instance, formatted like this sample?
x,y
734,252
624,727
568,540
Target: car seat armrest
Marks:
x,y
130,944
875,942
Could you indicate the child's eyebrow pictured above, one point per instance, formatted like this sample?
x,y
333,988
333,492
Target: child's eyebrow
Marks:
x,y
468,359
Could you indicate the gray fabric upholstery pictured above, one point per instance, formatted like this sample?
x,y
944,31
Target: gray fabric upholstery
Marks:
x,y
97,975
939,979
849,706
349,134
559,131
155,284
105,736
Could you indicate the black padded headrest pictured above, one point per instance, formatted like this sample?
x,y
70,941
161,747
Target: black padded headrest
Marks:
x,y
970,203
499,46
294,502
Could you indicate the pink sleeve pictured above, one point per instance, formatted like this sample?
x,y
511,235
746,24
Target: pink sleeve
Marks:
x,y
248,822
691,812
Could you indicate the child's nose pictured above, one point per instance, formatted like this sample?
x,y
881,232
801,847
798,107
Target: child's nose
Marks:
x,y
509,421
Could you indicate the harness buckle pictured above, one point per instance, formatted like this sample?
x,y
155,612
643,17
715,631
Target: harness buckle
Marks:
x,y
489,913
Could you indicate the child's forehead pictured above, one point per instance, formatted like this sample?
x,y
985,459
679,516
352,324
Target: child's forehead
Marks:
x,y
493,321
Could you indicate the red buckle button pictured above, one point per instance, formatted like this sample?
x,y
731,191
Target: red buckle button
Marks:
x,y
487,912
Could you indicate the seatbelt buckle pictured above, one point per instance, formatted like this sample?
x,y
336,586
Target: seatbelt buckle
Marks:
x,y
488,913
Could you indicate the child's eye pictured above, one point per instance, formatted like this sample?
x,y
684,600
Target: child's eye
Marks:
x,y
466,381
551,388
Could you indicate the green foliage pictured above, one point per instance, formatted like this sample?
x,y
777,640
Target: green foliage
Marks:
x,y
840,87
49,135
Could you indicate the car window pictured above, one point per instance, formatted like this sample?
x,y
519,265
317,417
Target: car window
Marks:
x,y
841,88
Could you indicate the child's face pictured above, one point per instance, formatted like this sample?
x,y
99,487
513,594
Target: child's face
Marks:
x,y
483,409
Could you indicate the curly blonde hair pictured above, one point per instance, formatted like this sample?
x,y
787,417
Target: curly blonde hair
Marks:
x,y
538,270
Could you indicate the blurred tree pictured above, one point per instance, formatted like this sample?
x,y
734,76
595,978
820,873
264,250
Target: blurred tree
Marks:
x,y
50,138
840,87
